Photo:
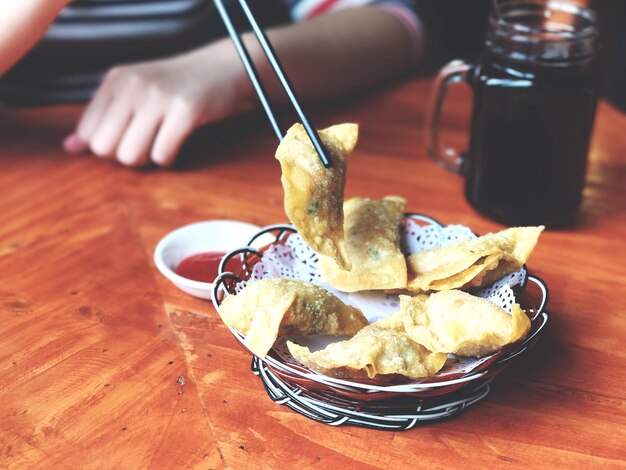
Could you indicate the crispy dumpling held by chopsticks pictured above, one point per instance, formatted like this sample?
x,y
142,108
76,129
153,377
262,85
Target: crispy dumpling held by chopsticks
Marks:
x,y
471,263
456,322
382,348
314,194
267,308
372,232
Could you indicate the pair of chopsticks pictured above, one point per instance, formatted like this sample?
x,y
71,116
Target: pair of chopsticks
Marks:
x,y
278,69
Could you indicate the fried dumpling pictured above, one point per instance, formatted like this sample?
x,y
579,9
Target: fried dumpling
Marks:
x,y
267,308
314,194
471,263
456,322
372,231
382,348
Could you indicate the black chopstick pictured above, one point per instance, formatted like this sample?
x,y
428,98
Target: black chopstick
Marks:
x,y
278,69
247,63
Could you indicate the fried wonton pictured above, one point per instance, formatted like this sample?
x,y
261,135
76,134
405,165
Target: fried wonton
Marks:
x,y
372,231
314,194
382,348
471,263
456,322
267,308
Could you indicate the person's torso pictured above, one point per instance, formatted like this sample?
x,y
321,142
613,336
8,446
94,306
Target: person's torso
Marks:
x,y
91,36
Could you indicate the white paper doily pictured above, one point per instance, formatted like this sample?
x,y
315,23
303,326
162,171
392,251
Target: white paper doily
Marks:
x,y
294,259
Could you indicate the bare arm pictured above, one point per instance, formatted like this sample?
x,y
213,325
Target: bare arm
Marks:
x,y
22,24
145,111
339,53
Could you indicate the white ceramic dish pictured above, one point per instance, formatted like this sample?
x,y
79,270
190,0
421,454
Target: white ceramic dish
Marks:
x,y
213,235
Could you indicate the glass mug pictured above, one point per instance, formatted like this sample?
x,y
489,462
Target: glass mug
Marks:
x,y
535,93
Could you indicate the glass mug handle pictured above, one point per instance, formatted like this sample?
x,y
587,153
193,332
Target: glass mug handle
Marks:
x,y
455,72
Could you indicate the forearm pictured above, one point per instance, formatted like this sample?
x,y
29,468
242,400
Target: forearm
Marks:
x,y
22,24
144,112
336,53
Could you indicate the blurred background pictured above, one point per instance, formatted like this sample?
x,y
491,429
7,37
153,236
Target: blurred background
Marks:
x,y
462,28
456,30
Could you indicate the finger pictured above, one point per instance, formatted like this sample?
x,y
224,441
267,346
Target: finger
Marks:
x,y
95,110
179,122
74,144
134,148
111,127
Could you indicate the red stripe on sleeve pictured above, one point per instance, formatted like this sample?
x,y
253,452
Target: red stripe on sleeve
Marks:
x,y
320,8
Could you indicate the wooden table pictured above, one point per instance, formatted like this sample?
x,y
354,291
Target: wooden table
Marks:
x,y
93,340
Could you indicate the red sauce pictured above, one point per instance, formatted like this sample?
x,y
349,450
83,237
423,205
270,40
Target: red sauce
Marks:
x,y
200,267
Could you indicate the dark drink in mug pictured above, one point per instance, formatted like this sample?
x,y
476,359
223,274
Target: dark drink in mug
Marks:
x,y
534,104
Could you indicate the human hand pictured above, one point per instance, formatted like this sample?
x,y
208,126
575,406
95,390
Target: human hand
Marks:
x,y
144,112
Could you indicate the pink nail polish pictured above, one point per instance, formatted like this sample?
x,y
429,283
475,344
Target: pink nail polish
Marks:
x,y
73,144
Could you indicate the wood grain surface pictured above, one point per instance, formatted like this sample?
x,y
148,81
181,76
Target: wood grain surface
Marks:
x,y
105,364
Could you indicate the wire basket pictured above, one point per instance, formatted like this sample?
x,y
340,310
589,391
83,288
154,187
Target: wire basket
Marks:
x,y
391,403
